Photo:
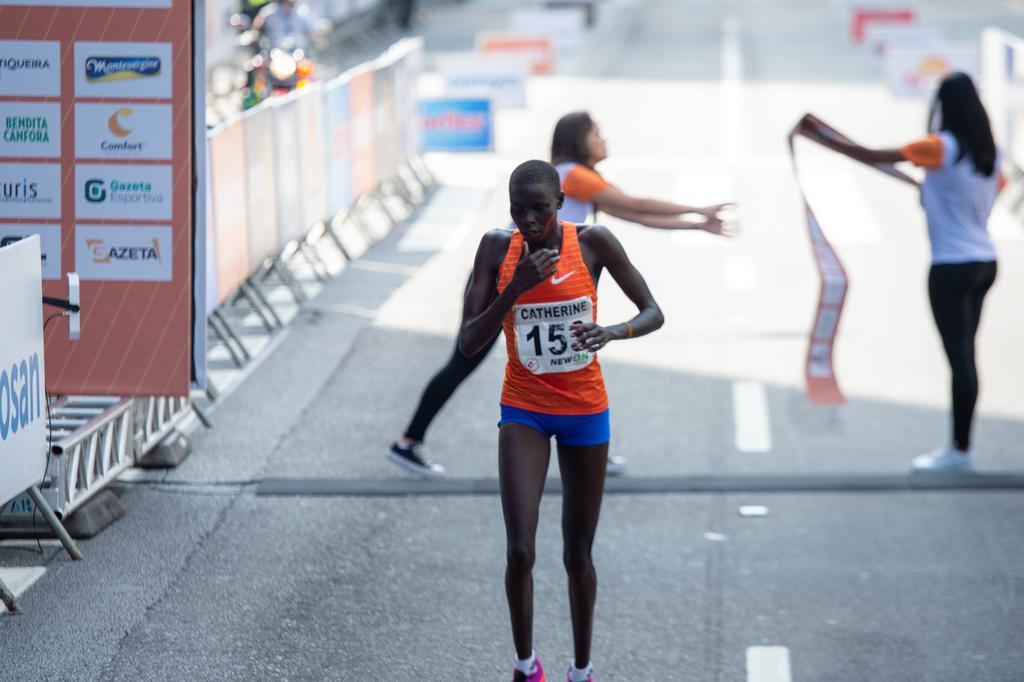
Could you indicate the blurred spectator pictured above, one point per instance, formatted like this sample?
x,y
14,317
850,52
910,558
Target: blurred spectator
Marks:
x,y
253,7
284,19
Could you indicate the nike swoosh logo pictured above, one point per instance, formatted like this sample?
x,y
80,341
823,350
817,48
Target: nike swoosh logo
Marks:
x,y
558,280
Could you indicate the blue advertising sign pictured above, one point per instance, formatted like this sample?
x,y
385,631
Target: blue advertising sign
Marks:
x,y
454,124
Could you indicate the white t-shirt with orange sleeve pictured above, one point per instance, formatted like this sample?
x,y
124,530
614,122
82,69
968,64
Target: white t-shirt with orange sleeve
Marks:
x,y
580,184
957,200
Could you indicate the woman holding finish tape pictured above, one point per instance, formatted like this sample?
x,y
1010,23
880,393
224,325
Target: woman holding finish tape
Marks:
x,y
962,179
576,148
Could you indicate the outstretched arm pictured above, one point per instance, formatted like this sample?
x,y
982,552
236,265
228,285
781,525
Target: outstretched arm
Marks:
x,y
613,199
611,255
483,312
814,126
712,224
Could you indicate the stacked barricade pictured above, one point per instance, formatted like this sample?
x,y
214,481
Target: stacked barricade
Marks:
x,y
285,180
288,175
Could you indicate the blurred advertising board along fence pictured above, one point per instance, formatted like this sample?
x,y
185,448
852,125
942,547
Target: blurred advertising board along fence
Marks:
x,y
862,17
537,51
457,125
1002,87
292,162
500,79
104,96
917,72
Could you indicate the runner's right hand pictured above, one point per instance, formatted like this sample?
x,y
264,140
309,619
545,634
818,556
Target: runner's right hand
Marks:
x,y
534,267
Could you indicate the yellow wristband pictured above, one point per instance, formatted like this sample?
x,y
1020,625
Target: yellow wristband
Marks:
x,y
629,330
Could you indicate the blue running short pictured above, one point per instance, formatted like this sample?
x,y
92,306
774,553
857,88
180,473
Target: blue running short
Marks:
x,y
574,430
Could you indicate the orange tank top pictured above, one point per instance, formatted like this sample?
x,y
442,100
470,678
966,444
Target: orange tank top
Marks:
x,y
544,374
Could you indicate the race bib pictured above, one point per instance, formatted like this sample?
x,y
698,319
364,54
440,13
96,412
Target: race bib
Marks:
x,y
543,337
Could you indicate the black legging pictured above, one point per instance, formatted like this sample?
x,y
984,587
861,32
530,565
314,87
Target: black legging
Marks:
x,y
443,385
441,388
957,292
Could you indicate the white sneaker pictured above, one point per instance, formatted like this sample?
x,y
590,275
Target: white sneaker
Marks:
x,y
616,466
943,459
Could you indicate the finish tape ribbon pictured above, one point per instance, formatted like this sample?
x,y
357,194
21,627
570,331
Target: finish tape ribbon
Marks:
x,y
822,387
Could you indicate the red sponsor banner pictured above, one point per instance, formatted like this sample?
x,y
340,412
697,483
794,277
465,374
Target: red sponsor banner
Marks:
x,y
862,17
819,370
537,51
230,214
122,77
364,163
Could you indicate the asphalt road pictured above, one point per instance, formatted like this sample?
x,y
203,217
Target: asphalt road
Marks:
x,y
207,577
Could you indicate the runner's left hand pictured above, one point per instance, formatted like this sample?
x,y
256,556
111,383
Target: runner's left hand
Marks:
x,y
590,336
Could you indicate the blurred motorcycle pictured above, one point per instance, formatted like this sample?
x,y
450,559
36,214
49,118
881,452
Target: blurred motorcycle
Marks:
x,y
273,69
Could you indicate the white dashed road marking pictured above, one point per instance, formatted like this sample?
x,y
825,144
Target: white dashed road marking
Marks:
x,y
768,664
750,416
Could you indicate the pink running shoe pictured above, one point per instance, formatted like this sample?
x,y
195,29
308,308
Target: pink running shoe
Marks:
x,y
536,676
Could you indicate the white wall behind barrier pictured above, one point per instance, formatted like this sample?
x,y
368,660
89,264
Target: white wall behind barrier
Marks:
x,y
408,71
386,132
338,145
287,170
260,185
312,157
22,381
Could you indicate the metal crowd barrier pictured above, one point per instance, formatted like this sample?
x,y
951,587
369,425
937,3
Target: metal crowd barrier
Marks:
x,y
94,439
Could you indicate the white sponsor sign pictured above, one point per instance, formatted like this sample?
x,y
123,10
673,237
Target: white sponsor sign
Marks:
x,y
136,70
123,131
30,190
915,72
30,68
128,253
30,129
147,4
49,244
122,192
499,79
22,383
565,25
882,37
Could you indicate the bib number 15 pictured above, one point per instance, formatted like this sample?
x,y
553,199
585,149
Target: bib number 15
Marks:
x,y
557,341
543,334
